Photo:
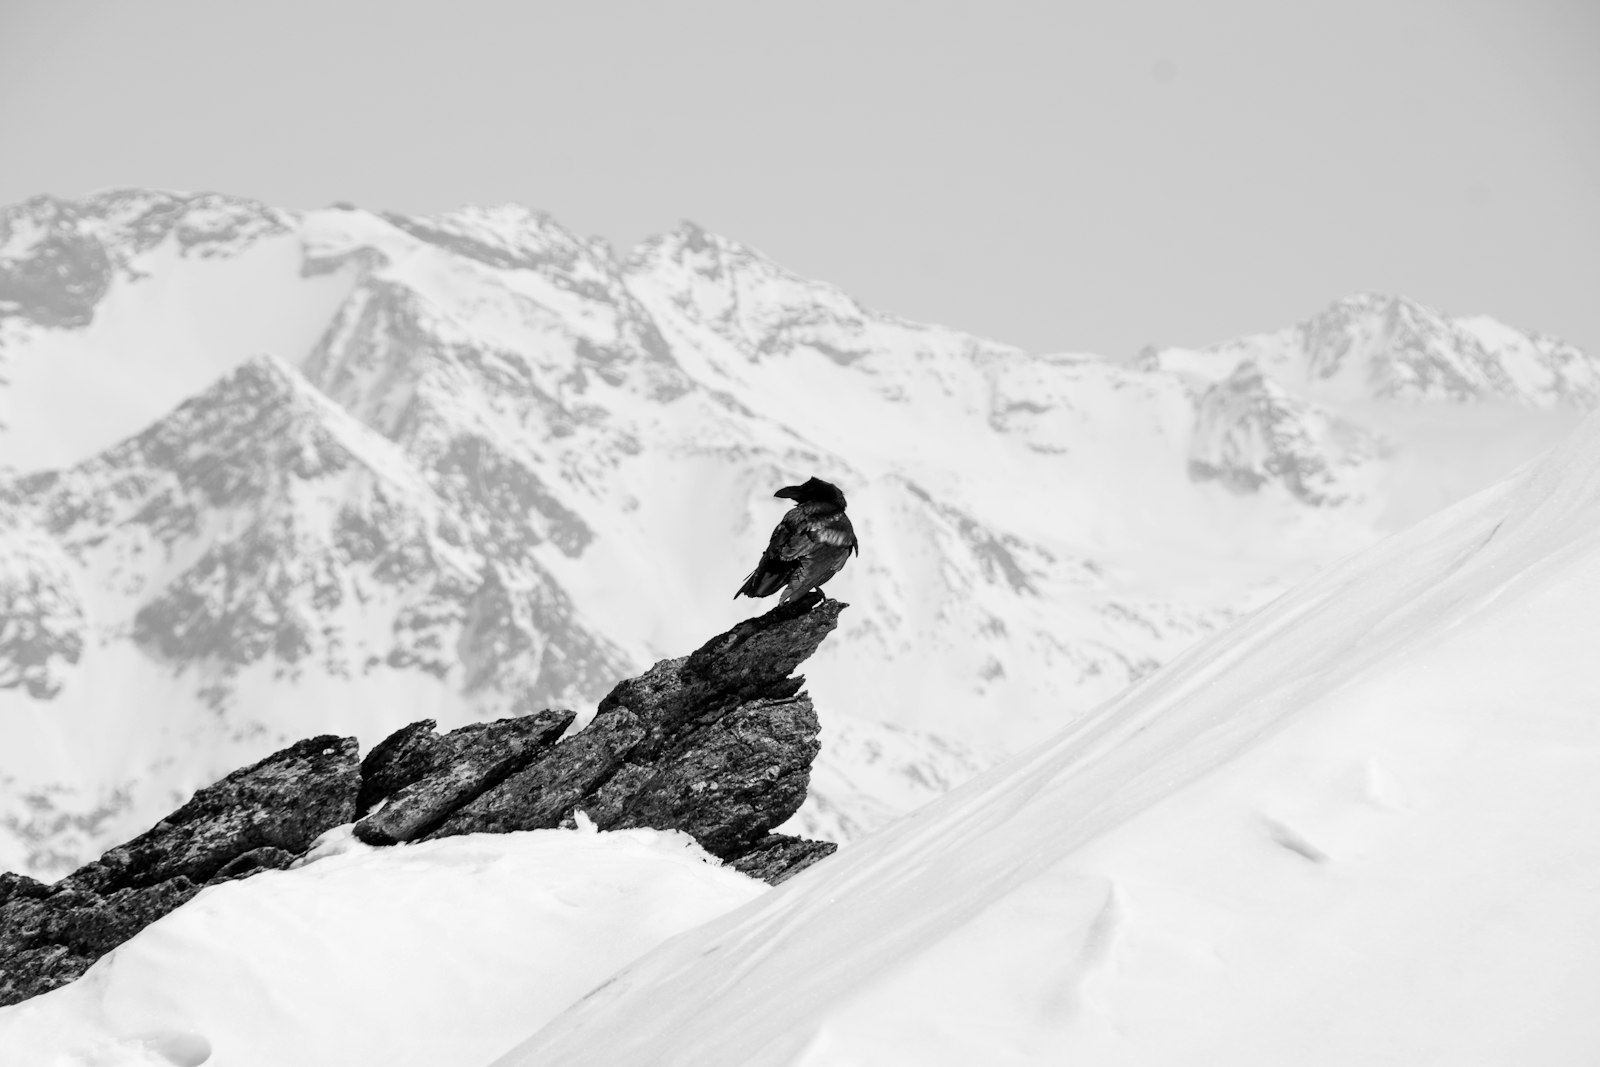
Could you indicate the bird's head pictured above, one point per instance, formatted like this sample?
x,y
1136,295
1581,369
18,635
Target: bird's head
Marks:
x,y
812,491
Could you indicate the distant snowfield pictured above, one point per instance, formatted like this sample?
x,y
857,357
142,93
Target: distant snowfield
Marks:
x,y
155,341
1363,826
428,954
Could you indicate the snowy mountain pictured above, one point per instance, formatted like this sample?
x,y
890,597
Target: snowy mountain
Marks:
x,y
116,308
283,473
1358,827
58,259
1374,347
1250,431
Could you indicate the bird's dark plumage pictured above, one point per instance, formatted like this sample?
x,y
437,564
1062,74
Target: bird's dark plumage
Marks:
x,y
810,544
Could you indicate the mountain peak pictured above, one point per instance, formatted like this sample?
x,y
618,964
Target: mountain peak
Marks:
x,y
256,424
58,258
507,236
705,251
1396,348
760,306
1389,348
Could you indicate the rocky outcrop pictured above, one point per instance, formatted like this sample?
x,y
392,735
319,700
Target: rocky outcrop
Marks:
x,y
256,818
718,744
777,857
421,778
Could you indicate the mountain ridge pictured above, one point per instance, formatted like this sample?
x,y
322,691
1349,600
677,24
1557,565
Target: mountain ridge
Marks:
x,y
1383,347
578,451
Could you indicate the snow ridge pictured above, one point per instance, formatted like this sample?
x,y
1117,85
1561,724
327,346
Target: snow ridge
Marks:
x,y
1376,347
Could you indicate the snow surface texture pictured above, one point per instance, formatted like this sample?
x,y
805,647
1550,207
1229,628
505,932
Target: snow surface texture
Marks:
x,y
430,955
1362,826
279,474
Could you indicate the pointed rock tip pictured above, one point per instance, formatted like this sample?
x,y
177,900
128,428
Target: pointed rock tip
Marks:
x,y
689,236
263,370
1373,302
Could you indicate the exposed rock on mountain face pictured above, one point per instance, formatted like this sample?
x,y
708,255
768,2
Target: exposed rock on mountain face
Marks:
x,y
1406,351
751,302
58,257
41,620
718,744
1373,346
1250,431
292,519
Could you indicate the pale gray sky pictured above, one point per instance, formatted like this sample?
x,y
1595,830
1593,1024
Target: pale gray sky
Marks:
x,y
1064,176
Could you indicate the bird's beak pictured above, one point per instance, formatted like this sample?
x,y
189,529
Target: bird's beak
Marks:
x,y
790,491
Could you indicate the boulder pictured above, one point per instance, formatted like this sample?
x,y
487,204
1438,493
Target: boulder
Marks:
x,y
459,766
718,743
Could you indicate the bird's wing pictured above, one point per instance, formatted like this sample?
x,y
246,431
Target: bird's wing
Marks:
x,y
791,538
833,530
786,548
821,563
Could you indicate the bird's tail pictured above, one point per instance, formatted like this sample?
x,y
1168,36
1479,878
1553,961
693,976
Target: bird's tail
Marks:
x,y
763,581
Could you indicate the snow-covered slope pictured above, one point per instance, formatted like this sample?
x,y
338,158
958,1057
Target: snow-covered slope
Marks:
x,y
431,955
116,308
1361,826
529,467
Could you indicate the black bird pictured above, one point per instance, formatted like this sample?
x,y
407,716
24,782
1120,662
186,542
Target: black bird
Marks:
x,y
809,545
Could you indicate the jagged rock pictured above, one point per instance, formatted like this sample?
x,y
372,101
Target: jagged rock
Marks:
x,y
14,886
464,763
408,755
259,859
543,794
48,941
718,743
256,818
284,801
727,783
778,857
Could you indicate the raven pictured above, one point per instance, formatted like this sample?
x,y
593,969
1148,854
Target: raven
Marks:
x,y
809,545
